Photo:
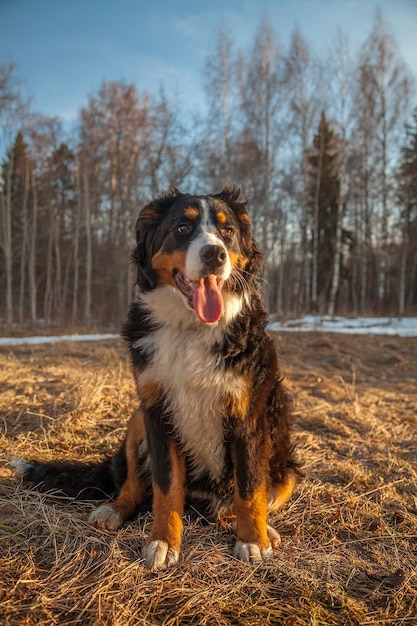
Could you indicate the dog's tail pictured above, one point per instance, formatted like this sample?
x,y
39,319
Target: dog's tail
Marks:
x,y
83,481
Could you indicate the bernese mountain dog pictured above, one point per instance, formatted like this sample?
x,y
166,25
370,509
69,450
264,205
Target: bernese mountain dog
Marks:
x,y
213,426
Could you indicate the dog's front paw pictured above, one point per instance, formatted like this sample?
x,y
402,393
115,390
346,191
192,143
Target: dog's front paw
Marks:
x,y
159,555
251,552
105,518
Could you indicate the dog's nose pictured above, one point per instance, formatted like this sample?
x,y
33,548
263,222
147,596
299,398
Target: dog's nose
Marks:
x,y
213,255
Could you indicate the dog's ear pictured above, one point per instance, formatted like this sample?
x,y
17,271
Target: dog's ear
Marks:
x,y
255,260
147,239
231,197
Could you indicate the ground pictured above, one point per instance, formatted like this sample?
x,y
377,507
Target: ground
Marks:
x,y
349,535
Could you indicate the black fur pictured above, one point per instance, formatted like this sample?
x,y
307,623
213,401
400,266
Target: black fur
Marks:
x,y
95,481
157,429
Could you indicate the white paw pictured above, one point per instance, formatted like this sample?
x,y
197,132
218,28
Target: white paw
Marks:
x,y
158,555
105,517
251,552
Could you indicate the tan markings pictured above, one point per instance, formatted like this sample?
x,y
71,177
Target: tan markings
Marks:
x,y
148,213
168,507
132,491
229,522
149,394
191,213
237,260
251,517
280,493
165,263
221,217
244,218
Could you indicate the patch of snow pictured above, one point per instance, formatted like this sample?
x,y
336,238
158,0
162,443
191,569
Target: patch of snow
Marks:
x,y
402,327
30,341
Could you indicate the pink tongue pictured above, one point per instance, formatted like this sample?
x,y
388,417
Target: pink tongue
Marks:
x,y
207,299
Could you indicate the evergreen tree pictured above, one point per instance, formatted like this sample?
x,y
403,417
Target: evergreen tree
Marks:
x,y
324,195
14,187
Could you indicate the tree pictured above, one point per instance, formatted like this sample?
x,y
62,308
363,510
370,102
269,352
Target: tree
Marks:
x,y
324,206
262,116
221,84
61,167
300,84
44,137
407,195
12,113
341,103
383,102
115,139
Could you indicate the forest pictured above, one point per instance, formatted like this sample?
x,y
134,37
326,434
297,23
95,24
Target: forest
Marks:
x,y
325,148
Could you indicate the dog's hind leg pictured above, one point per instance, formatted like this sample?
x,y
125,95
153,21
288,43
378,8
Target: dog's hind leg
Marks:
x,y
112,515
280,493
230,521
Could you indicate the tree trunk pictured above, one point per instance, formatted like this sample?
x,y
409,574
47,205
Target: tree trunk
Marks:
x,y
32,256
25,226
334,287
403,261
75,285
88,249
7,242
58,283
316,208
47,300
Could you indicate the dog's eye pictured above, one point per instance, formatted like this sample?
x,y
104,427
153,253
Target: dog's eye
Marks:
x,y
228,231
183,229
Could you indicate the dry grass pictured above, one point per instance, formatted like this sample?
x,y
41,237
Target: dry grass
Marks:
x,y
349,535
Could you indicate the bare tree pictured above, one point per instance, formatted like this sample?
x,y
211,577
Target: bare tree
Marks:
x,y
32,249
6,244
88,249
24,247
301,79
76,243
341,70
12,112
115,136
320,147
262,108
387,85
221,83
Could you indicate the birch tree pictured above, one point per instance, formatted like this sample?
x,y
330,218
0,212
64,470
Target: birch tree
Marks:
x,y
387,94
13,110
301,79
221,84
340,68
262,108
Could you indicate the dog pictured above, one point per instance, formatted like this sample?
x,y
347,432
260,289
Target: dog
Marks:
x,y
213,424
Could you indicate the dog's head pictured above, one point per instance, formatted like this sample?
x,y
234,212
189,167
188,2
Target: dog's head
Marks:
x,y
199,245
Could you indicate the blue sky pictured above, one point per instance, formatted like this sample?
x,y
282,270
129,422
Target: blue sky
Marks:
x,y
63,49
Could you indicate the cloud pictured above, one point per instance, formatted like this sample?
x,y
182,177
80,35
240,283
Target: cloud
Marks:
x,y
187,26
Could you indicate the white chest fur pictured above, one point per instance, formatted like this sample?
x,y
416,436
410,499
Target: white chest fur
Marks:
x,y
183,366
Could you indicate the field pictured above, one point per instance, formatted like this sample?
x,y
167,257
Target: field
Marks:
x,y
349,535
